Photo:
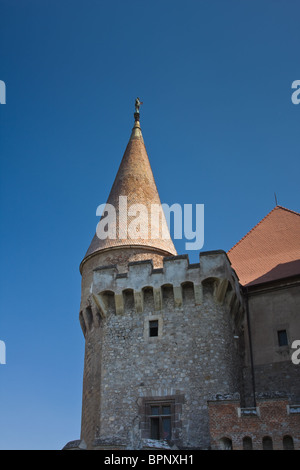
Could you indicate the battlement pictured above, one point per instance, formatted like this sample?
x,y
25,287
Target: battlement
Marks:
x,y
175,269
186,282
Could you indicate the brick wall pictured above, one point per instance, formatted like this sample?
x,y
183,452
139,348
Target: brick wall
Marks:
x,y
272,419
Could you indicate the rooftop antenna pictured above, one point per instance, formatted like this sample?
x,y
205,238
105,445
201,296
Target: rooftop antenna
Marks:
x,y
275,199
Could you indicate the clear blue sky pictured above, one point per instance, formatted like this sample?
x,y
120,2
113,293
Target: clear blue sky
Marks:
x,y
219,127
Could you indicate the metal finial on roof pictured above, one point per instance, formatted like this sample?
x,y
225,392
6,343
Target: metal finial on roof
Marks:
x,y
135,180
137,109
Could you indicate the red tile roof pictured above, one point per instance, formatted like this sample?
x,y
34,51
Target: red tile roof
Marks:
x,y
270,251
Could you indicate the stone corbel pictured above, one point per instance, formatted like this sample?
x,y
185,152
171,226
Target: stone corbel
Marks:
x,y
157,299
221,290
138,301
177,296
100,305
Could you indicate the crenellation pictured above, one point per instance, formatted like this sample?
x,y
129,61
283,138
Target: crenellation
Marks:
x,y
177,283
141,273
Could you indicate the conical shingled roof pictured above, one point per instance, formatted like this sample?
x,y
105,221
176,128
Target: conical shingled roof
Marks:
x,y
135,181
270,251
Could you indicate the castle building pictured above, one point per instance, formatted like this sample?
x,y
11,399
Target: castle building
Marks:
x,y
267,262
187,355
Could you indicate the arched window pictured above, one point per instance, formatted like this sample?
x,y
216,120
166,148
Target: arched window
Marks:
x,y
288,443
267,443
226,443
247,443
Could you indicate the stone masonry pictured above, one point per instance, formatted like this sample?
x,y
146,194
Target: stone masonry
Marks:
x,y
193,358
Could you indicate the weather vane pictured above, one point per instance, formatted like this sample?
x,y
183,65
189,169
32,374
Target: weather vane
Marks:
x,y
137,105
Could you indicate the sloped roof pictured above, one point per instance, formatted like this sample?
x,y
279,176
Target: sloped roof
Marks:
x,y
135,180
270,251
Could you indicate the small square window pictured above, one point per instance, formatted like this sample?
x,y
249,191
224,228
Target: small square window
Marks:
x,y
153,328
282,338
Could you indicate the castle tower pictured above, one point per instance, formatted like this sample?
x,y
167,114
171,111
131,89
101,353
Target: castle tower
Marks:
x,y
160,333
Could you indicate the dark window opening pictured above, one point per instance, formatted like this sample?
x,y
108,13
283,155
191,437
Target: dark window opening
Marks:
x,y
247,443
288,443
282,338
153,328
155,428
226,443
267,443
160,422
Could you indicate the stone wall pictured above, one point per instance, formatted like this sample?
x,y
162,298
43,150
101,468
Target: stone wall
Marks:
x,y
193,358
273,307
275,379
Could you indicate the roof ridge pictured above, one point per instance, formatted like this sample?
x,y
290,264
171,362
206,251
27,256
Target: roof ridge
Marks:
x,y
286,209
258,223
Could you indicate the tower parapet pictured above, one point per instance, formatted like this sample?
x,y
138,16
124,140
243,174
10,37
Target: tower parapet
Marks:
x,y
212,272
